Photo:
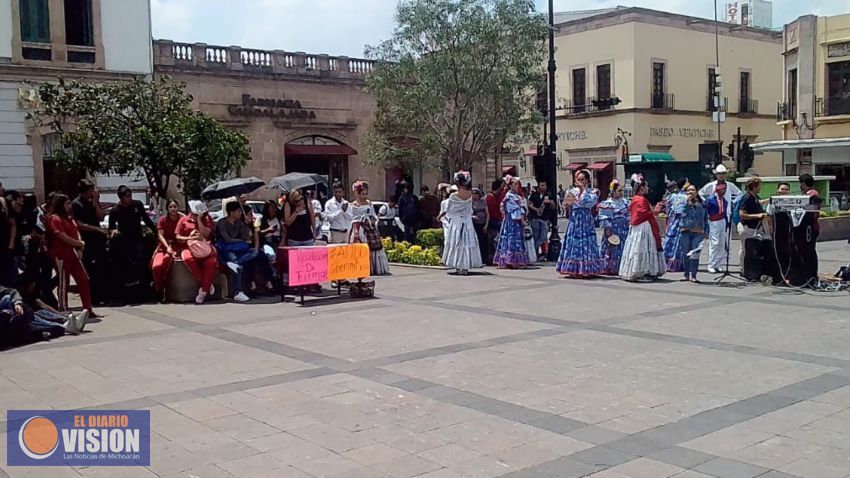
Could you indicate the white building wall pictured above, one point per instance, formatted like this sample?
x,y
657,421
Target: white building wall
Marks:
x,y
16,166
126,26
5,30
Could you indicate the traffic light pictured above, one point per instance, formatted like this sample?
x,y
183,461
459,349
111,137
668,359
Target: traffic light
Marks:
x,y
748,156
730,151
606,103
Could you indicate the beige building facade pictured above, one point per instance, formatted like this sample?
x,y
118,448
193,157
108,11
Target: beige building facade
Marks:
x,y
813,117
662,68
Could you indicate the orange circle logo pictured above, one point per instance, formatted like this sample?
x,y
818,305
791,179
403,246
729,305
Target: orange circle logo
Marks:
x,y
38,438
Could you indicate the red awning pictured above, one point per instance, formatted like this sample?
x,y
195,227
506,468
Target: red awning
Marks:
x,y
531,152
319,150
599,166
576,166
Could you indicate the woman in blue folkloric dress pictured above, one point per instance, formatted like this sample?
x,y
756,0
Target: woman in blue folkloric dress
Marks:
x,y
511,251
672,238
580,255
614,219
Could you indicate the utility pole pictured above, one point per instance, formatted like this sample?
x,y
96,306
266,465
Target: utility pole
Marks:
x,y
551,168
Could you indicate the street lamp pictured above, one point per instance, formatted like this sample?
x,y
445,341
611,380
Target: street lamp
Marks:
x,y
551,168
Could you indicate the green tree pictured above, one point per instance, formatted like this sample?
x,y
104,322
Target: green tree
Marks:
x,y
460,77
139,127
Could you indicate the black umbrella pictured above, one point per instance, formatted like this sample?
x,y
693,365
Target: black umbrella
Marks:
x,y
232,187
293,181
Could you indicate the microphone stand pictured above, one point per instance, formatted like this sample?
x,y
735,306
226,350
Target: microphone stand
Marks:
x,y
726,274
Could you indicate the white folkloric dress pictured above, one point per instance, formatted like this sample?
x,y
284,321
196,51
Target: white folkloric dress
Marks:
x,y
460,246
365,223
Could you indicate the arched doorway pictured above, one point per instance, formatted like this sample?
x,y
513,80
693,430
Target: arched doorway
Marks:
x,y
319,155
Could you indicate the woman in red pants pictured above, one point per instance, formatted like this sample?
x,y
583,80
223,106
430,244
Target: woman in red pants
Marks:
x,y
65,248
163,258
194,243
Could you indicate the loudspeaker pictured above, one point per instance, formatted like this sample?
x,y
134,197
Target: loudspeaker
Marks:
x,y
796,248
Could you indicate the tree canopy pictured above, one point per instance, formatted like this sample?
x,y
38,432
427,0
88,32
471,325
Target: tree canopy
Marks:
x,y
456,80
139,127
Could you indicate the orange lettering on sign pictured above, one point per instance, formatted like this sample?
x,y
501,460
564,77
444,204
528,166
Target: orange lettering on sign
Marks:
x,y
348,262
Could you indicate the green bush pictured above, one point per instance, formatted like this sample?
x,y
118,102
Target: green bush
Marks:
x,y
404,253
430,238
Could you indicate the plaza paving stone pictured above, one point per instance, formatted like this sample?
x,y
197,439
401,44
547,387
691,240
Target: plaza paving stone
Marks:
x,y
502,373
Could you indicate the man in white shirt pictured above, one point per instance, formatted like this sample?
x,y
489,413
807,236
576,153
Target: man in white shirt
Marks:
x,y
732,191
338,214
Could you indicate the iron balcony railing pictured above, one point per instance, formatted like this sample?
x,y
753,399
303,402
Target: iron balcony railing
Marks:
x,y
785,111
662,101
748,106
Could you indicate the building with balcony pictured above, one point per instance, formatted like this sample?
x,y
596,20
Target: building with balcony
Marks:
x,y
662,66
40,40
814,113
301,112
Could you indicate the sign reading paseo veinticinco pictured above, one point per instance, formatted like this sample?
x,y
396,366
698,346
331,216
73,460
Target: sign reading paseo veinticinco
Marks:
x,y
271,108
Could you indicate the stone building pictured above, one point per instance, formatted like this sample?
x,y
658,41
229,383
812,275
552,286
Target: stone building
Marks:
x,y
662,67
301,112
40,40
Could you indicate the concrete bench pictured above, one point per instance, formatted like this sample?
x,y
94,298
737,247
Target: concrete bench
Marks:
x,y
181,286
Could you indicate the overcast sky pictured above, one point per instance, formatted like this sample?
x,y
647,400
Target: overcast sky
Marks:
x,y
343,27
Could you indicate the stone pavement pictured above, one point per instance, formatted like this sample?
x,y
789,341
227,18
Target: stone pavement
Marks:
x,y
503,373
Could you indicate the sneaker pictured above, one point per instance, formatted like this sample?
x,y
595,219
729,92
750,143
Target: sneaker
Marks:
x,y
234,267
201,297
212,290
241,297
71,327
82,320
712,270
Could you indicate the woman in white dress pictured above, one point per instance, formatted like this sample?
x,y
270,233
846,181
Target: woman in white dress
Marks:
x,y
460,244
364,229
643,256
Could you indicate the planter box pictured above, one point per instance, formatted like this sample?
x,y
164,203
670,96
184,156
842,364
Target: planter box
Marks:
x,y
831,228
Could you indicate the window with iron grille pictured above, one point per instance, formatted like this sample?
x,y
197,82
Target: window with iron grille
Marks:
x,y
35,21
745,106
603,83
792,93
579,90
658,73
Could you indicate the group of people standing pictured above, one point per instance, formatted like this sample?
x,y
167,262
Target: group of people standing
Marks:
x,y
632,245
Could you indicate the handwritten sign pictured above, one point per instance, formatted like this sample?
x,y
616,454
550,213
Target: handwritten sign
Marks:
x,y
348,262
308,265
